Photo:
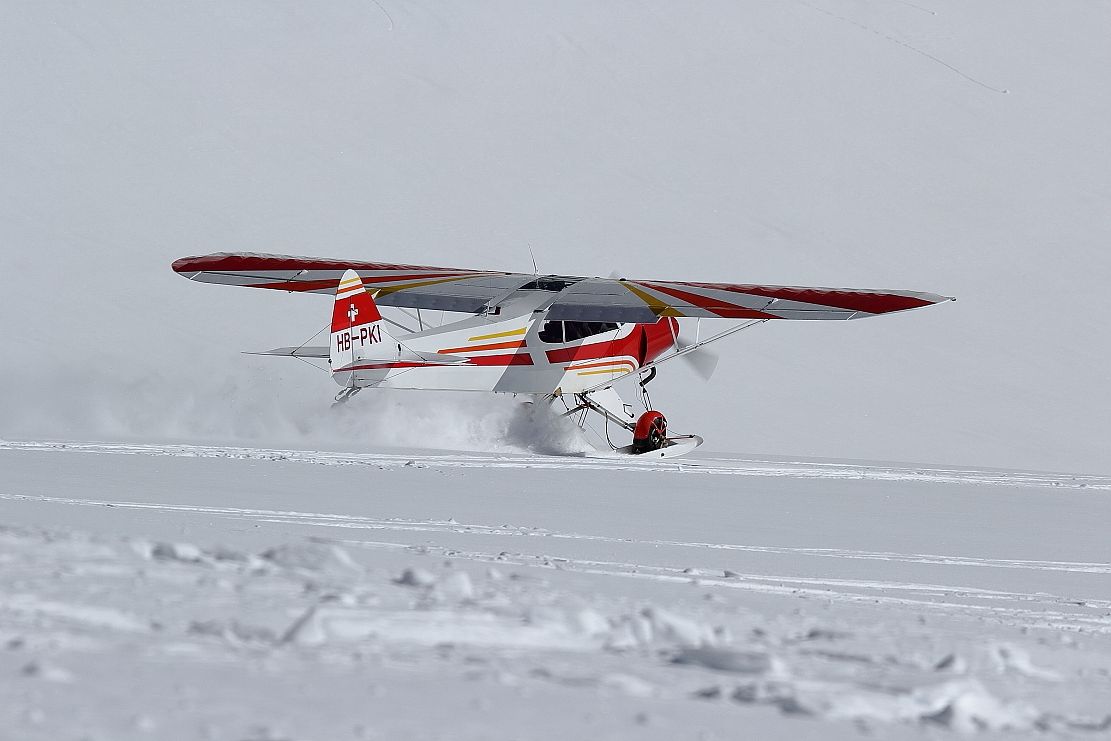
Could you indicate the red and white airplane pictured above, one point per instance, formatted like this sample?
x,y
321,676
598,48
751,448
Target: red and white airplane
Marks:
x,y
557,337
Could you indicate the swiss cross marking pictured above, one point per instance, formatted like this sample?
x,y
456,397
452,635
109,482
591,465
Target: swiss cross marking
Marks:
x,y
352,313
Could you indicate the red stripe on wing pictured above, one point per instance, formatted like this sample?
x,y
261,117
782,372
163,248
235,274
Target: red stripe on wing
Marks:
x,y
238,263
726,311
871,302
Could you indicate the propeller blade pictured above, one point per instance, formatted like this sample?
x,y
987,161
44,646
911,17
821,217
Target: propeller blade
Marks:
x,y
702,361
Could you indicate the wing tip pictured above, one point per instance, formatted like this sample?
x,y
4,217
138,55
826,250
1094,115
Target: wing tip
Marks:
x,y
184,266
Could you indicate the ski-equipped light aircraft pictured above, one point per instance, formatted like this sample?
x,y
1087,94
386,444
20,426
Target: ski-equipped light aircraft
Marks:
x,y
561,338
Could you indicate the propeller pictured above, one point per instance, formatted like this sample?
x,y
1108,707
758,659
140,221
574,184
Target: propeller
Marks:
x,y
701,360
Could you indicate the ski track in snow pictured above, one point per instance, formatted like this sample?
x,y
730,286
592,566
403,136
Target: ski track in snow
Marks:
x,y
947,600
360,522
714,466
933,597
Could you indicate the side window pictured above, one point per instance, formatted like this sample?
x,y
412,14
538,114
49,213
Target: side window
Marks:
x,y
552,332
579,330
600,327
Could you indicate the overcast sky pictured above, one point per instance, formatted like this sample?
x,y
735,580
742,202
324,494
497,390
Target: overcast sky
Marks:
x,y
826,142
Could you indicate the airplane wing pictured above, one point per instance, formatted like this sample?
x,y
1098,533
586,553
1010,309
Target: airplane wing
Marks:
x,y
573,299
410,286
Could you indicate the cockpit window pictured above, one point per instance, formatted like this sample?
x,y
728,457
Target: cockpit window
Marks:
x,y
552,332
580,330
556,332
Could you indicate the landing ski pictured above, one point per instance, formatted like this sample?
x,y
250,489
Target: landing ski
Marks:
x,y
676,446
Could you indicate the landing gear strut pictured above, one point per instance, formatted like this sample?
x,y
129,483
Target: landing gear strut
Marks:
x,y
650,438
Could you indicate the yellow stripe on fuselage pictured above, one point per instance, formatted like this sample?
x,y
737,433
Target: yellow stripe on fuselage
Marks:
x,y
510,333
616,369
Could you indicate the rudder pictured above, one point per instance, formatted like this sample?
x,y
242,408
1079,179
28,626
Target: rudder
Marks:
x,y
357,326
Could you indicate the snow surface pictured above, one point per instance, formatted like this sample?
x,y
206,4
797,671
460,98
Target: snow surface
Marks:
x,y
234,560
178,591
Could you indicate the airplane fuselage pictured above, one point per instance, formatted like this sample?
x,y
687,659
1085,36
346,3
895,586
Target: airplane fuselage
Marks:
x,y
517,351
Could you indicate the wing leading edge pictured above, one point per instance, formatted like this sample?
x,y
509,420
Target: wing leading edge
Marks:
x,y
574,299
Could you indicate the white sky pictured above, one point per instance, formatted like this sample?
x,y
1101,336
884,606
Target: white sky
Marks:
x,y
828,143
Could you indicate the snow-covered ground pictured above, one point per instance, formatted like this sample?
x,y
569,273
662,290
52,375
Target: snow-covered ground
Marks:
x,y
156,589
183,592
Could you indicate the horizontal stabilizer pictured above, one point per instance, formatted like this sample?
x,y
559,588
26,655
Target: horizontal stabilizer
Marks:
x,y
311,351
304,351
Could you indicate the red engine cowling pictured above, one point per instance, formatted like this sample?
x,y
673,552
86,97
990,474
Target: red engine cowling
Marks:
x,y
650,432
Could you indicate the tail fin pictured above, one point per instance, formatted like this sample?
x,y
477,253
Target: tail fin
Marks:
x,y
357,327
